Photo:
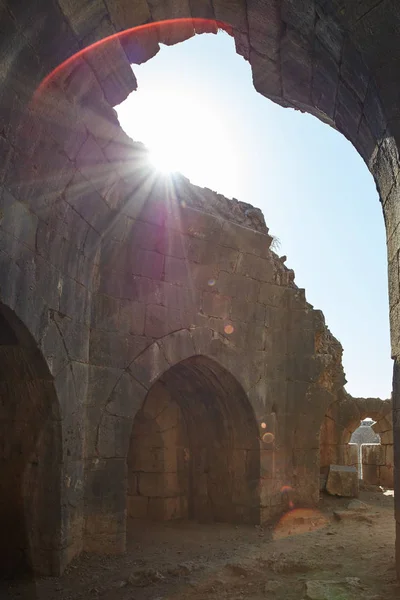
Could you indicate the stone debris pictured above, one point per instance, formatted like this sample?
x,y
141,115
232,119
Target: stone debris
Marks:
x,y
352,515
357,505
342,481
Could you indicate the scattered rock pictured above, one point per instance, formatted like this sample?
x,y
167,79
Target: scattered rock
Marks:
x,y
342,481
357,505
352,515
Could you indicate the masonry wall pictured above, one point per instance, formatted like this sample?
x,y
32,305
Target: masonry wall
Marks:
x,y
67,178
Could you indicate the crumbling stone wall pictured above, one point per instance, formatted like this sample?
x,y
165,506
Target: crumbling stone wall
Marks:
x,y
68,173
174,280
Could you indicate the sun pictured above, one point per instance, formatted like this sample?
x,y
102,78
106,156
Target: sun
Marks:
x,y
164,160
185,131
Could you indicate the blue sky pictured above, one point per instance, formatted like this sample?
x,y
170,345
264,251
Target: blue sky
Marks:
x,y
196,108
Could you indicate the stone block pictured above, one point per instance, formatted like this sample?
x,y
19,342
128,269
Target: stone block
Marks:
x,y
274,295
370,474
247,311
245,240
167,509
137,507
350,455
348,111
178,346
126,398
161,320
296,57
195,223
373,454
114,350
114,436
215,305
147,264
169,418
131,317
255,267
159,485
342,481
105,313
267,463
177,271
300,15
354,71
238,286
386,476
106,486
126,14
389,455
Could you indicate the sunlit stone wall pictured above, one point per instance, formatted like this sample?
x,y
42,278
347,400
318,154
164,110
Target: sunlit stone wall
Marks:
x,y
67,179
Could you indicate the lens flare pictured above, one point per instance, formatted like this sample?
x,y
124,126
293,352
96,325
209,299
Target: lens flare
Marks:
x,y
263,426
211,282
136,37
299,521
229,329
268,438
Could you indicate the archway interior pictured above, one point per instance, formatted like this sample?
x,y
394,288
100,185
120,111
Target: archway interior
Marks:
x,y
194,451
339,434
364,434
29,456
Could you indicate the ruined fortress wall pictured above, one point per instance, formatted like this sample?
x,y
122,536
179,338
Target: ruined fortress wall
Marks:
x,y
68,175
120,276
179,274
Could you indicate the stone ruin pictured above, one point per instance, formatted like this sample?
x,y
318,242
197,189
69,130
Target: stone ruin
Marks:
x,y
158,360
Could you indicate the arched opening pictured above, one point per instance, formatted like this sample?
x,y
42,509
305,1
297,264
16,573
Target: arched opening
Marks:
x,y
194,450
358,432
29,456
364,434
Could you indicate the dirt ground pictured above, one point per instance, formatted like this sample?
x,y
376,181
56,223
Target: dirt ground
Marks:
x,y
307,554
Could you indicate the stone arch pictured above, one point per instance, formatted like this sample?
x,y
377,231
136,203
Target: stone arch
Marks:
x,y
309,56
194,450
105,519
30,455
342,418
300,58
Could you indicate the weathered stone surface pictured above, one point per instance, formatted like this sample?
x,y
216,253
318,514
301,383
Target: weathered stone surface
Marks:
x,y
357,505
342,481
352,515
97,266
